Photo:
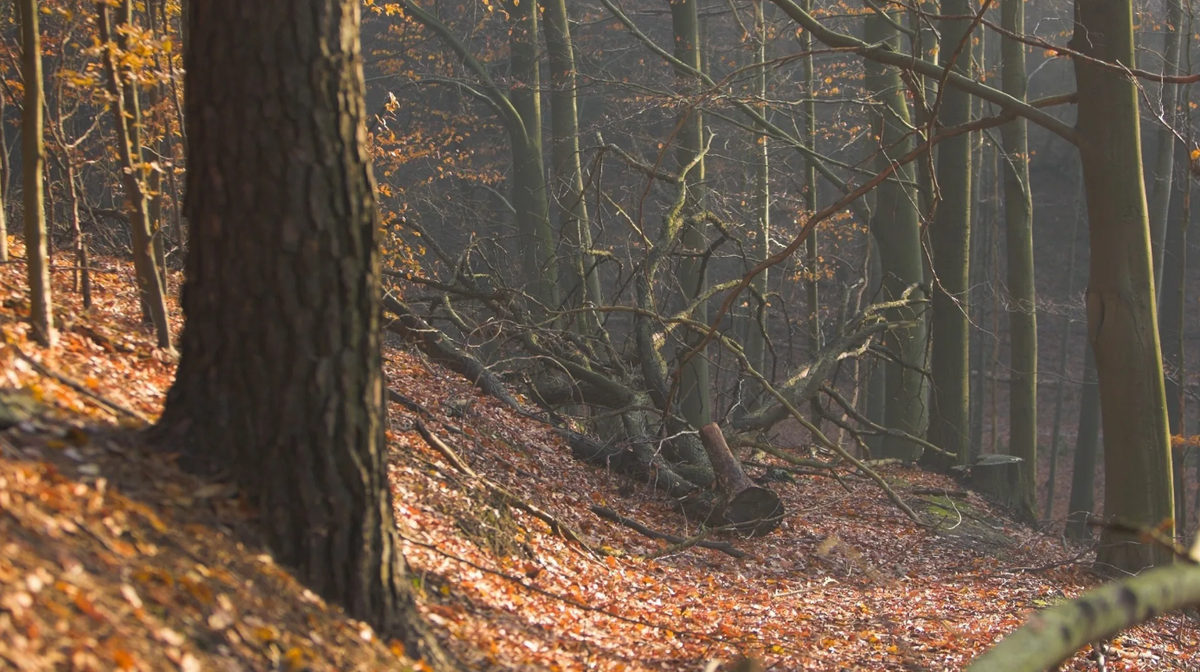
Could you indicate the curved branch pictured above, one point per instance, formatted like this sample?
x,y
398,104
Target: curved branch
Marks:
x,y
512,118
882,53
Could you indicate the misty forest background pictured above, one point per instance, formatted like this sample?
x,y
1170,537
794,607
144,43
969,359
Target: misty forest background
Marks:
x,y
539,160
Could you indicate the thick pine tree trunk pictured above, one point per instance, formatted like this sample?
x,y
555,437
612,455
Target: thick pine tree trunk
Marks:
x,y
949,417
1122,320
1022,315
33,159
280,381
896,226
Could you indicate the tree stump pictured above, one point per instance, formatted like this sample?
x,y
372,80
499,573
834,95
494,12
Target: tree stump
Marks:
x,y
749,508
995,475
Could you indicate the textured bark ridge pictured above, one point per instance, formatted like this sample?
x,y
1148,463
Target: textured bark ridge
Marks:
x,y
280,381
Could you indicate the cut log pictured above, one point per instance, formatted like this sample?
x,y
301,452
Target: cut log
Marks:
x,y
995,476
751,509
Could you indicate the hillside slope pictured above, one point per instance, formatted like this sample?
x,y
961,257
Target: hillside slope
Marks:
x,y
114,559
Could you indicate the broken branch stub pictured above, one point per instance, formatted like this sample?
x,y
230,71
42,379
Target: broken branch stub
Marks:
x,y
749,508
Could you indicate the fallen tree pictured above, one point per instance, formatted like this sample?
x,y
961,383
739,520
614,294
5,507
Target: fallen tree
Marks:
x,y
1053,635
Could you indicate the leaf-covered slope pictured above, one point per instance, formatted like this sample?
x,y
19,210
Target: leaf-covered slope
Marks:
x,y
114,559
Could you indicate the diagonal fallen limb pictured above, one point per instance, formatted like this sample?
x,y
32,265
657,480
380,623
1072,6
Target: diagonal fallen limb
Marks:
x,y
111,406
722,546
889,431
556,526
397,398
445,450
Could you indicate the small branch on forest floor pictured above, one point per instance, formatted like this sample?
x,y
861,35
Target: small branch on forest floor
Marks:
x,y
678,543
397,398
111,406
798,471
445,450
556,526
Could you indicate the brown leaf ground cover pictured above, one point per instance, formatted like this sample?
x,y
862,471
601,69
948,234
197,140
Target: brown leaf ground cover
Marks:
x,y
111,558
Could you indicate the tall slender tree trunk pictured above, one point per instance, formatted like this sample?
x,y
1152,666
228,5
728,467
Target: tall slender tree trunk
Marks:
x,y
755,317
154,180
1064,347
694,393
582,282
876,370
980,276
1087,448
1122,320
896,226
812,254
1172,303
1163,176
128,122
3,186
949,417
1173,297
33,160
1022,300
280,381
530,197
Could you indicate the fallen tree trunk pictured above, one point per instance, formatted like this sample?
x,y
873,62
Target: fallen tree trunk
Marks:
x,y
409,326
1053,635
641,464
750,508
722,546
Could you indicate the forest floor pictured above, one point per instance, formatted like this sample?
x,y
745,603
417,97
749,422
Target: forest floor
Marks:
x,y
111,558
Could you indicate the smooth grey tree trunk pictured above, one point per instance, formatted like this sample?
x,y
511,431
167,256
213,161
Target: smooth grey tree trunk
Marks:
x,y
1122,315
950,238
1022,298
896,227
33,159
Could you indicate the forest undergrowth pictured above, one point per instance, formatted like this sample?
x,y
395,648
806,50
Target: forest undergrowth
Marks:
x,y
112,558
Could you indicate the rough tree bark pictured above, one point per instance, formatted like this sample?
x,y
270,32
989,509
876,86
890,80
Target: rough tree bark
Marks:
x,y
1122,320
280,381
33,160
